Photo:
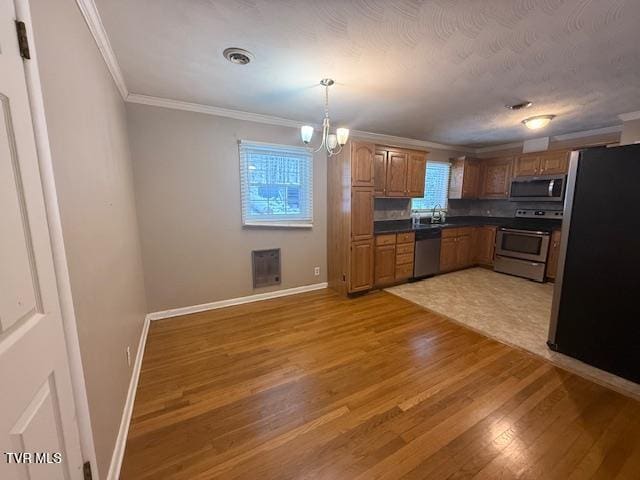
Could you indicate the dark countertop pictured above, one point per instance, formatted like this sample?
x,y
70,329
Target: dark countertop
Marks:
x,y
399,226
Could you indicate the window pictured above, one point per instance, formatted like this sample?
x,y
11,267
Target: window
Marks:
x,y
276,185
436,187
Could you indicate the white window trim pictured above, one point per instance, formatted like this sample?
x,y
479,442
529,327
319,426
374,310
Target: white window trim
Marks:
x,y
276,223
428,212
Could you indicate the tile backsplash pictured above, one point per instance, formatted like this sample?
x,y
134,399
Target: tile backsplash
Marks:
x,y
495,208
392,209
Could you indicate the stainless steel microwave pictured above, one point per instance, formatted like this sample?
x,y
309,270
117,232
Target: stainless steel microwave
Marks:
x,y
549,188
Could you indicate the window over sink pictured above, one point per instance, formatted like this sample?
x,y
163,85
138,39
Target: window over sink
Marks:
x,y
276,185
436,187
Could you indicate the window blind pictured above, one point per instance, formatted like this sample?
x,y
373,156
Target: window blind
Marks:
x,y
276,184
436,187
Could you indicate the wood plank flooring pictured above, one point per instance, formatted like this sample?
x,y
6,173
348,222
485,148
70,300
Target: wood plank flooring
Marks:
x,y
316,386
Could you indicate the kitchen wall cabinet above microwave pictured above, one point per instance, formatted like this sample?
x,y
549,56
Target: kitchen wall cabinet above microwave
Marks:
x,y
542,163
399,172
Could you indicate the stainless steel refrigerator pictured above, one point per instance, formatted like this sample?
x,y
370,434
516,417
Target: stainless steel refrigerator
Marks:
x,y
596,306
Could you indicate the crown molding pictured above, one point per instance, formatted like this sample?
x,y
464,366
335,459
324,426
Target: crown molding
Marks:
x,y
96,27
209,110
588,133
407,142
283,122
496,148
628,117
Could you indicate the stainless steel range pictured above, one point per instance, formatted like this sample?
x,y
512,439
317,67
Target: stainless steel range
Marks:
x,y
522,246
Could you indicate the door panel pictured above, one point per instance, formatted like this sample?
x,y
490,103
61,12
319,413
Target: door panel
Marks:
x,y
416,170
361,213
396,174
380,173
496,178
471,179
554,163
38,412
463,251
527,166
448,254
385,264
361,272
362,164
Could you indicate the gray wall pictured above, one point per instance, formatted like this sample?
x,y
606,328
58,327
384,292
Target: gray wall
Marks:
x,y
195,250
495,208
88,134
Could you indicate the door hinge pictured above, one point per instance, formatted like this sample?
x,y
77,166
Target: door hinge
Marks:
x,y
86,471
23,41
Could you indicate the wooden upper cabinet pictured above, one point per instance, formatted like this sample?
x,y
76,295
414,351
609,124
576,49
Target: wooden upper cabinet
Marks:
x,y
396,184
362,170
526,165
361,266
542,163
496,177
416,171
361,213
554,163
380,173
385,264
465,178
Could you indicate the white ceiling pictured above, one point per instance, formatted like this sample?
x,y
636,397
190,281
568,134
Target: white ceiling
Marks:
x,y
439,70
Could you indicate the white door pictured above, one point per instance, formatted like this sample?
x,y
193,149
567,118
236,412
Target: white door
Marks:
x,y
37,414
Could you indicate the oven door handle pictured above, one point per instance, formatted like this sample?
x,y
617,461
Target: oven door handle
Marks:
x,y
551,185
526,232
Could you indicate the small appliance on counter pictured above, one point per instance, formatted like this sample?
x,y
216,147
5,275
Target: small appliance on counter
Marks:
x,y
522,246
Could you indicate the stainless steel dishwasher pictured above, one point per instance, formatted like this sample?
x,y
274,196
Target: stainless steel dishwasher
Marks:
x,y
427,252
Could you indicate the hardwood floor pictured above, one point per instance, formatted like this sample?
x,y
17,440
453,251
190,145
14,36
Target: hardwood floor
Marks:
x,y
316,386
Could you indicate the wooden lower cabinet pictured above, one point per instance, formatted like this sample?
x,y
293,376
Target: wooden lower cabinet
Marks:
x,y
484,245
361,271
554,254
465,247
393,258
385,264
448,254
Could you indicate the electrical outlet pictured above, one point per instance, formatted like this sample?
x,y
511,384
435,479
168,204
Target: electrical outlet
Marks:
x,y
316,271
128,356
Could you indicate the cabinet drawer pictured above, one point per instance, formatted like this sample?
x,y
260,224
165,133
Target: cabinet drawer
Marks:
x,y
464,231
405,248
406,237
386,239
450,232
404,258
404,271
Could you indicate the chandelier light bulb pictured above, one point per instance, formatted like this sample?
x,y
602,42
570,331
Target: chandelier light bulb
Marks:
x,y
306,132
343,135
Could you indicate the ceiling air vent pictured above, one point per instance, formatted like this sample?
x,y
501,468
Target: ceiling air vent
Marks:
x,y
238,56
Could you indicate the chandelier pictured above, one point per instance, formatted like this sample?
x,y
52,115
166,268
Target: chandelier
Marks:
x,y
333,142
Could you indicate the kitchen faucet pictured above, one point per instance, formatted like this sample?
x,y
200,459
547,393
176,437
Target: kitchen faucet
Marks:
x,y
438,218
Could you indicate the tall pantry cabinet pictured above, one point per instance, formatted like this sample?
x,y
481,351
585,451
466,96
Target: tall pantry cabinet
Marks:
x,y
350,194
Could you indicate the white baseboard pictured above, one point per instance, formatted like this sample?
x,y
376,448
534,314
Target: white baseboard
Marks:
x,y
121,440
176,312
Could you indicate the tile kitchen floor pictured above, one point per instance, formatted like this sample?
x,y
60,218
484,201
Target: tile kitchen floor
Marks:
x,y
509,309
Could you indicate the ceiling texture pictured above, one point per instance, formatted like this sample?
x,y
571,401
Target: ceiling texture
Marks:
x,y
438,70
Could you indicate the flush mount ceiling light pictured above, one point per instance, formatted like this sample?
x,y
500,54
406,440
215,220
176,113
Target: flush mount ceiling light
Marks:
x,y
239,56
519,106
540,121
333,142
